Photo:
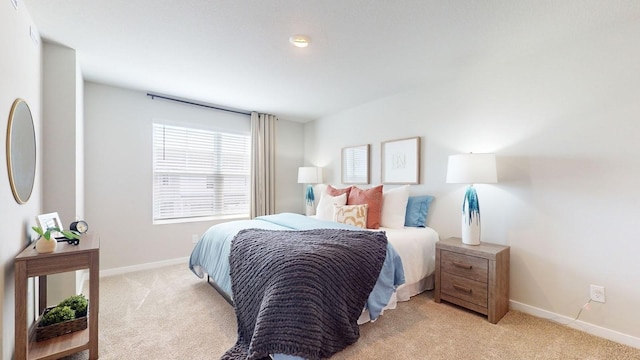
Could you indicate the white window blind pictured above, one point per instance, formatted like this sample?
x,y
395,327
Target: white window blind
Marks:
x,y
199,173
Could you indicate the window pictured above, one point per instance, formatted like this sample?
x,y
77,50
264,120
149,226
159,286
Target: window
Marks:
x,y
199,173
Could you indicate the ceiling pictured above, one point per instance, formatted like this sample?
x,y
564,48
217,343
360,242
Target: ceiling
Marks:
x,y
236,54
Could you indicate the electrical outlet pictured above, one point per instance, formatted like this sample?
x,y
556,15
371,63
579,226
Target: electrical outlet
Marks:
x,y
597,293
194,238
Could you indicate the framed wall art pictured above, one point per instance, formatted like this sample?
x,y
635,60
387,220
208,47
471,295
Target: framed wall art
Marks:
x,y
50,220
401,161
355,164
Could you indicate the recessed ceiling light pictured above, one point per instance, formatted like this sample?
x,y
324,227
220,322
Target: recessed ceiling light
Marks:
x,y
300,41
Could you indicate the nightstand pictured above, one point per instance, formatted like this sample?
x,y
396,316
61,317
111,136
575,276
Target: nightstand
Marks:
x,y
30,263
475,277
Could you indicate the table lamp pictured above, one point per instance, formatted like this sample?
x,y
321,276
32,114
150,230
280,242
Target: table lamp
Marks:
x,y
471,169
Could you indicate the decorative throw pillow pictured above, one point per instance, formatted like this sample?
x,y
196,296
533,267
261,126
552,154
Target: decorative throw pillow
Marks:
x,y
351,214
324,211
371,197
335,192
394,207
417,210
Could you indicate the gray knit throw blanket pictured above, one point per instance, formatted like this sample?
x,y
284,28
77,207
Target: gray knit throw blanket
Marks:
x,y
301,292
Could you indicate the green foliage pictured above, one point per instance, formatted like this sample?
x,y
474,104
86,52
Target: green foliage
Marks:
x,y
68,309
57,315
47,234
78,303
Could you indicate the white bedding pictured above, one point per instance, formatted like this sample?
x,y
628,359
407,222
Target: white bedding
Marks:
x,y
417,249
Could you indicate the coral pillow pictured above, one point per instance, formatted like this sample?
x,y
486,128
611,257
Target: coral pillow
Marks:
x,y
351,214
373,198
335,192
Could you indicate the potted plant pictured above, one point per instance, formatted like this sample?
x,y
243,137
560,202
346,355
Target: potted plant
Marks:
x,y
45,243
68,316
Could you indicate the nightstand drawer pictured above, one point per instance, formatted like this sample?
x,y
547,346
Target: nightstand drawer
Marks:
x,y
462,288
466,266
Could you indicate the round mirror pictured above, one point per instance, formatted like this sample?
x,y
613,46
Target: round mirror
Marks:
x,y
21,151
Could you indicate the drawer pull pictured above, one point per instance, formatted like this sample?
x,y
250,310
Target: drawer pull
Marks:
x,y
462,288
461,265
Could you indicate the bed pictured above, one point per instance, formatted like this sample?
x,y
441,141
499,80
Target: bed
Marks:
x,y
408,268
414,245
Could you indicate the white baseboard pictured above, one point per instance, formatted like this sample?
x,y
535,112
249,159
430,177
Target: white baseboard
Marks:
x,y
147,266
577,324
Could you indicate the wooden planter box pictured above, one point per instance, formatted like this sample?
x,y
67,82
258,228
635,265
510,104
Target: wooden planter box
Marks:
x,y
65,327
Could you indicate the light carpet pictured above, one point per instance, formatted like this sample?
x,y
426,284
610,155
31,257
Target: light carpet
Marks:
x,y
169,313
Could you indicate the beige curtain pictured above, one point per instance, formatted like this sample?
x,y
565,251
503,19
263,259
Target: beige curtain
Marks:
x,y
263,164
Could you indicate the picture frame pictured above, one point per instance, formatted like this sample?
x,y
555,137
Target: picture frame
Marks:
x,y
355,164
401,161
46,221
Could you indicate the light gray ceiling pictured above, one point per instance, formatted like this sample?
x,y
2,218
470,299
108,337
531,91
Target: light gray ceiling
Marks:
x,y
237,54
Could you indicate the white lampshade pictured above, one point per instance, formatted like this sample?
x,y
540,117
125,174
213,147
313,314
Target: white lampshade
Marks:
x,y
309,175
472,169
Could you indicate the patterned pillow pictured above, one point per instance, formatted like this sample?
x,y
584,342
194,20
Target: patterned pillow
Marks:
x,y
351,214
371,197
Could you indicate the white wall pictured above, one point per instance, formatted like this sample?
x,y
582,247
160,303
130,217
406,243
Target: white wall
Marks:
x,y
118,179
290,152
63,165
564,124
20,71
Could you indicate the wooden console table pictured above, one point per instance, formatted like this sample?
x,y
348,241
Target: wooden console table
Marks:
x,y
30,263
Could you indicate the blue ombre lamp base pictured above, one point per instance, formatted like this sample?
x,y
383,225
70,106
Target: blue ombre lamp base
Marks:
x,y
309,175
471,217
309,199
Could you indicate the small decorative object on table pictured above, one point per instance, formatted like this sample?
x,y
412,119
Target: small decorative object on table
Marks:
x,y
50,226
79,226
68,316
45,244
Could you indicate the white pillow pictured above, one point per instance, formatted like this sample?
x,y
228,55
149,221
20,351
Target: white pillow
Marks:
x,y
324,211
394,207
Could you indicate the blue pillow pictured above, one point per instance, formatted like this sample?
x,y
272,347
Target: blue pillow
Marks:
x,y
417,210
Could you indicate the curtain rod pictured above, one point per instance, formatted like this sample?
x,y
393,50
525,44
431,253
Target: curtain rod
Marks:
x,y
190,102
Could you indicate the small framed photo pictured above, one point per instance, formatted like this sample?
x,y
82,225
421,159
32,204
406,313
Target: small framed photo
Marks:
x,y
50,220
401,161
